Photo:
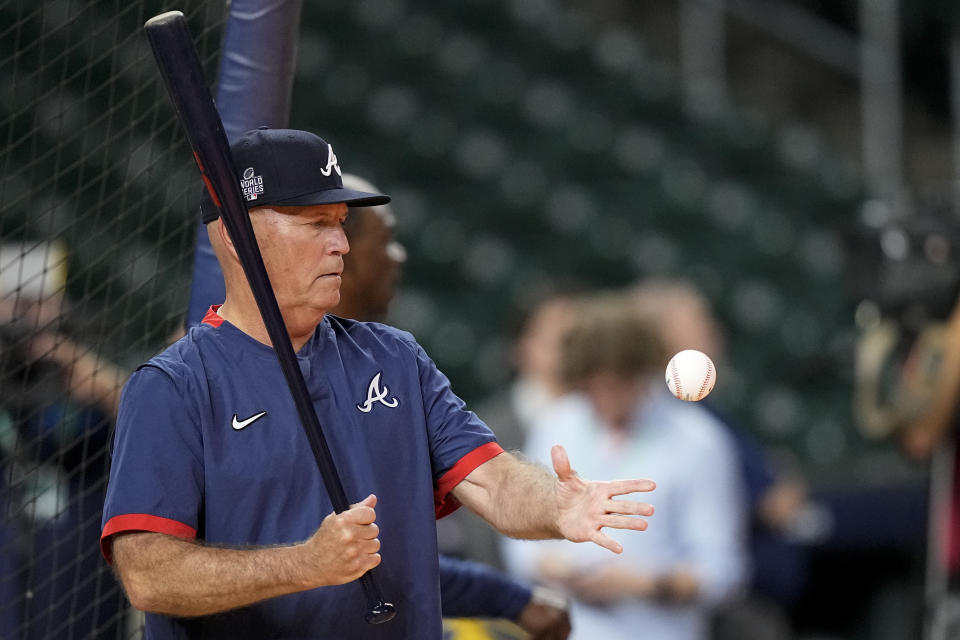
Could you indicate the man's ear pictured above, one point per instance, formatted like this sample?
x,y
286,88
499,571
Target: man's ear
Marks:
x,y
226,239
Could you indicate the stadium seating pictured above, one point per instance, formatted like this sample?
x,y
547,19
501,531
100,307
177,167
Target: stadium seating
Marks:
x,y
526,145
523,142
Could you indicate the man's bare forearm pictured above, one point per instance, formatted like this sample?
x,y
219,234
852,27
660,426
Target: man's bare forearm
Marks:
x,y
523,500
163,574
522,504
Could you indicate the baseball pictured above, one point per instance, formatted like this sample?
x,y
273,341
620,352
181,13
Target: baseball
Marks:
x,y
691,375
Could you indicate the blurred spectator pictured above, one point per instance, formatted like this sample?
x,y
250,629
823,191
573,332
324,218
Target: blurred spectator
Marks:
x,y
932,434
779,509
373,266
620,418
934,426
57,405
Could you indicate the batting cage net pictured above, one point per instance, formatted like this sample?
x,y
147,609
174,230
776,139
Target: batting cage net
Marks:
x,y
98,197
525,144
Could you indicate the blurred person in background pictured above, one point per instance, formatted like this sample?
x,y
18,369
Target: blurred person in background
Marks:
x,y
931,434
58,401
373,267
778,503
923,433
619,417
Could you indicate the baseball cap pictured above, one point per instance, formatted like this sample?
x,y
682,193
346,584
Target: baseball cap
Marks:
x,y
288,167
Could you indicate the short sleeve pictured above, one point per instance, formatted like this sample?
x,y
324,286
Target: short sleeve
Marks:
x,y
156,474
459,440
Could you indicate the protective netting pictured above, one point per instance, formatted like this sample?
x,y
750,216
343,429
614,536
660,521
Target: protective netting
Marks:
x,y
521,141
97,194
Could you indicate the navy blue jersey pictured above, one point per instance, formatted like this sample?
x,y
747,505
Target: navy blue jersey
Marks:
x,y
209,446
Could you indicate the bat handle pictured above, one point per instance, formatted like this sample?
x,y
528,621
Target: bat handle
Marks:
x,y
378,611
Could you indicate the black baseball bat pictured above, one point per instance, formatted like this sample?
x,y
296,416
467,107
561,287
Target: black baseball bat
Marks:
x,y
179,64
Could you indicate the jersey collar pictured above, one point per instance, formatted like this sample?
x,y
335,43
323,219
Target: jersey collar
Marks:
x,y
315,342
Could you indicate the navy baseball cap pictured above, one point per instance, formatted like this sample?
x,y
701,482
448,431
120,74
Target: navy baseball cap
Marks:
x,y
288,167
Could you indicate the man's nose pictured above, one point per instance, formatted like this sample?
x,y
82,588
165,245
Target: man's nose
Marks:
x,y
340,245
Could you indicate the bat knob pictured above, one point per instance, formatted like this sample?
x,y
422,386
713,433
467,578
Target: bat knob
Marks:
x,y
380,612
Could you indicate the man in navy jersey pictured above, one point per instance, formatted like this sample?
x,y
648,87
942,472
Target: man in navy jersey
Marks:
x,y
369,282
216,518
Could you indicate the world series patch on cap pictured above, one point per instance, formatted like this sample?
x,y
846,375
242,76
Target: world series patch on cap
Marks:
x,y
288,167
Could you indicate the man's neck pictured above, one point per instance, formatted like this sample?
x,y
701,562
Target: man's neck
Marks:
x,y
247,318
356,312
347,310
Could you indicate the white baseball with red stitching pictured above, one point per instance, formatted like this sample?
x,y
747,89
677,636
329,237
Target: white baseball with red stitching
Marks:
x,y
691,375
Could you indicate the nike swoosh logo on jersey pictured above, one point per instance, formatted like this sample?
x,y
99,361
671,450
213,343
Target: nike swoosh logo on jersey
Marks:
x,y
243,424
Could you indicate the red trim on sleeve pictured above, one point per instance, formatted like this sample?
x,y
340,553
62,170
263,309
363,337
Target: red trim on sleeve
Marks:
x,y
211,316
141,522
443,503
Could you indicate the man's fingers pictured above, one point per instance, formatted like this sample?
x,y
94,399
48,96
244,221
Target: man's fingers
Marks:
x,y
622,487
561,462
362,512
616,521
369,562
372,545
629,507
359,516
605,541
369,501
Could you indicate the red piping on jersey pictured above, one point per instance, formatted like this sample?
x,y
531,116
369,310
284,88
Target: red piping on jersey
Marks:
x,y
211,316
443,503
141,522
